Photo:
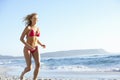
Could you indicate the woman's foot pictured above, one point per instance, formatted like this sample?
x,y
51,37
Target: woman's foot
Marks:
x,y
21,77
34,78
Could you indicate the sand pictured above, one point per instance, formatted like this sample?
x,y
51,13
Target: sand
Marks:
x,y
65,76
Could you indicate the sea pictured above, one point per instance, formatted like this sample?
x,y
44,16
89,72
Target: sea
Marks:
x,y
52,66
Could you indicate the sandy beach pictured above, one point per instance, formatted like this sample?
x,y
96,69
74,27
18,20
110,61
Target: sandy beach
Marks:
x,y
64,75
6,77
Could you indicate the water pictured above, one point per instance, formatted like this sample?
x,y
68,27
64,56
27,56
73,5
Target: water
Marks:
x,y
87,63
96,63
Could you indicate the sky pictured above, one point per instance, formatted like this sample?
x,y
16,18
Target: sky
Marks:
x,y
64,24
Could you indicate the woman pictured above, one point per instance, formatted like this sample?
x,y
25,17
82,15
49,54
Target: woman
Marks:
x,y
31,32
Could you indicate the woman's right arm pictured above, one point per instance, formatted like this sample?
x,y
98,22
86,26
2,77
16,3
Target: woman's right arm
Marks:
x,y
23,35
22,38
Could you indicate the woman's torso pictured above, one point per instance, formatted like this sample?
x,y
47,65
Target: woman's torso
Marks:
x,y
32,36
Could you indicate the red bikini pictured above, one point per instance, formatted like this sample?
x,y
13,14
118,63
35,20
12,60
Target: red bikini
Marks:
x,y
31,34
33,50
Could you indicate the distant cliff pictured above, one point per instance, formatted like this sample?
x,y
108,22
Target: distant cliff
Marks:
x,y
68,53
74,53
5,57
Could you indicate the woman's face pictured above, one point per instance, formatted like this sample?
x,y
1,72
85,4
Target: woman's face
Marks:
x,y
34,19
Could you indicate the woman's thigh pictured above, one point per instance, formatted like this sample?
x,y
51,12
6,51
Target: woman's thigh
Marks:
x,y
27,56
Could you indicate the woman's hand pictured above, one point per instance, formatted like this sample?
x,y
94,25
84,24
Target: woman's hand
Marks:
x,y
44,46
30,47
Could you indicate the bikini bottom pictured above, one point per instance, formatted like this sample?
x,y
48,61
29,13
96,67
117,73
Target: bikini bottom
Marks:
x,y
33,50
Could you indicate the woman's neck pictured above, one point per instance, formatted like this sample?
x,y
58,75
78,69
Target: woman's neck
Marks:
x,y
33,25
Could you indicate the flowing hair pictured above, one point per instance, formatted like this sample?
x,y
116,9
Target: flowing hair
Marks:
x,y
28,18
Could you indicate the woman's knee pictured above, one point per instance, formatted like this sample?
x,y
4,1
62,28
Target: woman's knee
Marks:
x,y
28,68
38,65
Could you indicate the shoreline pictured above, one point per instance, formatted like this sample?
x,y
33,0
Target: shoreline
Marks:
x,y
62,75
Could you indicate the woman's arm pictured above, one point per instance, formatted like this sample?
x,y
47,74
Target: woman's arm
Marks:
x,y
41,44
39,41
23,35
22,38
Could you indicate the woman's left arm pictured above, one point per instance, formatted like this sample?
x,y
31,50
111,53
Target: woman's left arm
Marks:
x,y
44,46
39,41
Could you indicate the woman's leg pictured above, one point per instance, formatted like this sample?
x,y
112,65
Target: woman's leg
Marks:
x,y
27,56
37,64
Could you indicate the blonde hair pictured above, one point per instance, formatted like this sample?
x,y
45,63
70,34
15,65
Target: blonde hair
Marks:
x,y
27,19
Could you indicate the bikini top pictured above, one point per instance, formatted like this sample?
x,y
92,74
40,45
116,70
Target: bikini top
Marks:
x,y
33,33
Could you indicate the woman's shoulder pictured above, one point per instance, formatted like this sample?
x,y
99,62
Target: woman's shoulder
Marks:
x,y
28,28
37,28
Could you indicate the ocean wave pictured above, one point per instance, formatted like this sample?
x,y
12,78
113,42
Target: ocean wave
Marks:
x,y
3,62
86,63
81,68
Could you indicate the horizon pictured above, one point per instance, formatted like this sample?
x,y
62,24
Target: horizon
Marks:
x,y
64,24
114,53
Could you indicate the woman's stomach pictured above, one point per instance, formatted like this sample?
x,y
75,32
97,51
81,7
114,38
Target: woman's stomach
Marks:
x,y
32,41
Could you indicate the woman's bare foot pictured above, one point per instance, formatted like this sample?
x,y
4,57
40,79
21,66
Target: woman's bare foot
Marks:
x,y
21,77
